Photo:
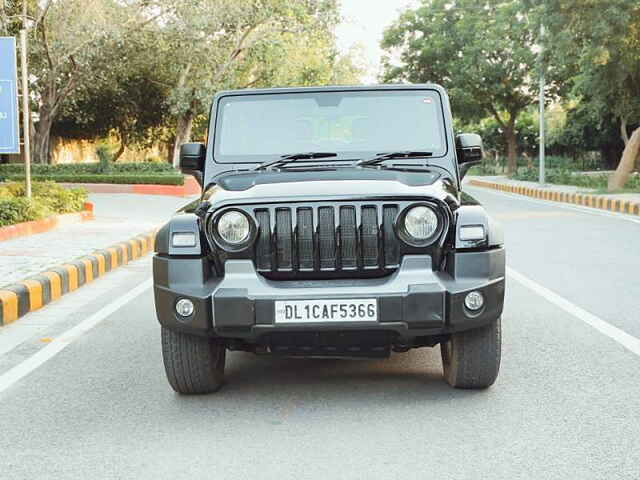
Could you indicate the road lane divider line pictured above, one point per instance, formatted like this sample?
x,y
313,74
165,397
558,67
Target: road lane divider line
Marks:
x,y
61,342
20,298
629,342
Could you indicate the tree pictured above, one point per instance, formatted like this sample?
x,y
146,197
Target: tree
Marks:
x,y
602,38
586,128
137,68
124,99
483,53
300,60
67,35
217,44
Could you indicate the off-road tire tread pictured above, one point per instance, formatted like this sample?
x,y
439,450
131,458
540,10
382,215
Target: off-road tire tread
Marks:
x,y
193,364
474,362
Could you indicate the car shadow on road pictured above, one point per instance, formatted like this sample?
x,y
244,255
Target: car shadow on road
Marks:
x,y
403,378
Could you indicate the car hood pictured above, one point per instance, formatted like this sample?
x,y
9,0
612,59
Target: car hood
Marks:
x,y
256,186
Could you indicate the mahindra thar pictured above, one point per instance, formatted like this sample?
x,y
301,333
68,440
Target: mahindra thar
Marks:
x,y
331,223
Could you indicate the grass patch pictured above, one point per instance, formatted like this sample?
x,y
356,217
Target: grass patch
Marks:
x,y
47,199
561,176
604,191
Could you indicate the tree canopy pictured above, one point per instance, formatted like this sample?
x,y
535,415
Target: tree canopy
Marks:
x,y
602,40
146,70
481,52
489,56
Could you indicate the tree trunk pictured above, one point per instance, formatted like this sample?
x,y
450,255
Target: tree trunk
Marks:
x,y
512,150
627,162
41,138
183,134
120,151
623,131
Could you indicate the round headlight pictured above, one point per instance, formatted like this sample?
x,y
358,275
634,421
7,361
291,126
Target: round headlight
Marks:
x,y
233,228
420,223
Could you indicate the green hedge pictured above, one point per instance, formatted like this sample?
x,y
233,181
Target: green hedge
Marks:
x,y
174,179
47,199
90,168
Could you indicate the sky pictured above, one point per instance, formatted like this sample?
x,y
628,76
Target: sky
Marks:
x,y
363,24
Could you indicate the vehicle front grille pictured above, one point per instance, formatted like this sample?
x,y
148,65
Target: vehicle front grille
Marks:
x,y
355,238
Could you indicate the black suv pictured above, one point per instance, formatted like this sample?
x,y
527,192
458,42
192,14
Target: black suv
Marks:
x,y
331,223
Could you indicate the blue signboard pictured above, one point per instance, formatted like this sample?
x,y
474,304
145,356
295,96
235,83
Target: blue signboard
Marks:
x,y
9,134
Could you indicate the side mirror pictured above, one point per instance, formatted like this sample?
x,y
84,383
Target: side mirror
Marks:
x,y
469,151
192,157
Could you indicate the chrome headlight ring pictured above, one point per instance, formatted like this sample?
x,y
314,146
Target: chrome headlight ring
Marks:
x,y
420,224
232,229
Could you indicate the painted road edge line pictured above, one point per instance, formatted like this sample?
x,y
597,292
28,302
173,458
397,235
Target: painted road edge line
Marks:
x,y
584,199
629,342
20,298
61,342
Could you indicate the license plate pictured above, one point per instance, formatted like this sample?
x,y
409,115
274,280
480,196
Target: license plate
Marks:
x,y
301,311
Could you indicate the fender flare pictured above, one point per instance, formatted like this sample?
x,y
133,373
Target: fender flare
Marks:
x,y
181,223
477,215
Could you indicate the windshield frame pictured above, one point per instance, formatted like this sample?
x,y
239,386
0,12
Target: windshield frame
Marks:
x,y
348,157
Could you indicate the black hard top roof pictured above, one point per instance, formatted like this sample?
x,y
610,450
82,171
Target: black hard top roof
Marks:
x,y
332,88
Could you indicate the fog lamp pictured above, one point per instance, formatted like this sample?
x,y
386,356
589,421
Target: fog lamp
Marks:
x,y
184,307
474,300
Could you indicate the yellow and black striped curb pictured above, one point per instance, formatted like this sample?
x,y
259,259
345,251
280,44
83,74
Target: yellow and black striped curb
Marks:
x,y
18,299
584,199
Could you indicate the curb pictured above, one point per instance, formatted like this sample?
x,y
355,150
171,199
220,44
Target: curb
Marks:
x,y
20,298
584,199
190,187
40,226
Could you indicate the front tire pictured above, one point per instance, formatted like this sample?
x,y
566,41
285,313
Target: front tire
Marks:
x,y
471,359
193,364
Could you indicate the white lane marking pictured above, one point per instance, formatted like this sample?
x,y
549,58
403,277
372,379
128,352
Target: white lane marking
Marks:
x,y
577,208
629,342
67,338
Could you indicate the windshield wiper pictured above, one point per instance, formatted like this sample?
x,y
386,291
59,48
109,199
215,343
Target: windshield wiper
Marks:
x,y
381,157
292,157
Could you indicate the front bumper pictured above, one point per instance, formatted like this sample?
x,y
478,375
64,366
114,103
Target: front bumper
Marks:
x,y
412,302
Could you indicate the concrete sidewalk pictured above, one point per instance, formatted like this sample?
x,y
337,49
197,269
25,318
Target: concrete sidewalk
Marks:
x,y
118,217
619,202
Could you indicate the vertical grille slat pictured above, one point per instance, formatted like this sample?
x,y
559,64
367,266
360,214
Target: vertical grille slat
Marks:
x,y
391,252
284,242
348,238
327,239
305,239
263,248
309,238
369,236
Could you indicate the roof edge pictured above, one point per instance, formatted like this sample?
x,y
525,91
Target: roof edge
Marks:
x,y
332,88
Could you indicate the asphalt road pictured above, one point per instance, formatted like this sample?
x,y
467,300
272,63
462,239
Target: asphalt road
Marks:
x,y
566,404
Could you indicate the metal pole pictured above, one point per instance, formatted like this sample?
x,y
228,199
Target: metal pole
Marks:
x,y
541,102
26,134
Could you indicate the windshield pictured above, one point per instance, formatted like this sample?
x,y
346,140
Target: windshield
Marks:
x,y
354,125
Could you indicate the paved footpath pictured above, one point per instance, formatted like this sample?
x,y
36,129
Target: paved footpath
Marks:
x,y
118,217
